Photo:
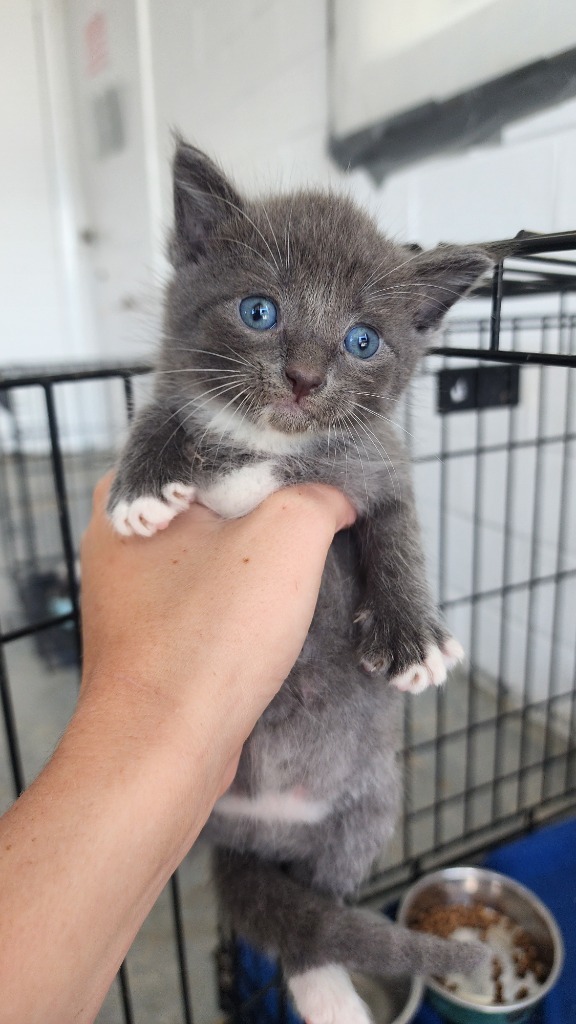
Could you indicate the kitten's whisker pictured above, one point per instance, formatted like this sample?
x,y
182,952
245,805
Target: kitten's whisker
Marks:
x,y
373,394
225,385
412,288
355,434
287,238
203,404
220,411
399,266
288,226
220,355
273,234
209,426
181,409
210,352
199,369
375,275
338,438
247,411
221,388
242,358
344,420
381,416
375,440
243,417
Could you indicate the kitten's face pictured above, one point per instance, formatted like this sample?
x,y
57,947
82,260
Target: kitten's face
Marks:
x,y
296,315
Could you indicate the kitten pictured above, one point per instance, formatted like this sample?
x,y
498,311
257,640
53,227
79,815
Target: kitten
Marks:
x,y
291,330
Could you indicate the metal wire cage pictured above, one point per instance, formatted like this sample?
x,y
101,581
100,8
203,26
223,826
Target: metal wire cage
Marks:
x,y
491,423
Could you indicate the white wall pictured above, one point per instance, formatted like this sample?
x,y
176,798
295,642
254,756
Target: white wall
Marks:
x,y
395,56
37,320
246,82
525,180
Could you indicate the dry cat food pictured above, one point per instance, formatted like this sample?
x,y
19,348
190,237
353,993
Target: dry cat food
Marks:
x,y
516,970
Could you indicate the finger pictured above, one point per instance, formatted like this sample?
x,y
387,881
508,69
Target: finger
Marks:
x,y
101,491
327,504
336,503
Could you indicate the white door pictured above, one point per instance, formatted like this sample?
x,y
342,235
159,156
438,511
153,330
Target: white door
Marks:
x,y
105,72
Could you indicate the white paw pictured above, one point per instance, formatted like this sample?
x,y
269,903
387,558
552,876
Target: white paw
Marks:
x,y
432,671
325,995
452,652
179,496
146,515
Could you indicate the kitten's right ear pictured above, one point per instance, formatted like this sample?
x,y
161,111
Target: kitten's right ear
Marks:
x,y
202,198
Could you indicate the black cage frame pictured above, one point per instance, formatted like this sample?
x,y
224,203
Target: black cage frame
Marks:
x,y
535,265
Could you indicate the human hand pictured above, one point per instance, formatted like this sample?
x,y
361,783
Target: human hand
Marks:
x,y
209,616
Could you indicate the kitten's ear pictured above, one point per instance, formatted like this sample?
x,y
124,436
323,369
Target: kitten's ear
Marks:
x,y
441,277
202,198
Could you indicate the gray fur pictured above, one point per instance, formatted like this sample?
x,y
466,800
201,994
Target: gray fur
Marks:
x,y
333,729
315,931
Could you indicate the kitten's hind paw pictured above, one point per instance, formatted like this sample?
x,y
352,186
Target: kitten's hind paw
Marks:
x,y
325,995
432,671
146,515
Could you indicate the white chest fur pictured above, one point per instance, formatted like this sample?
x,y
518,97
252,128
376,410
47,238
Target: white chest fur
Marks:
x,y
292,806
240,491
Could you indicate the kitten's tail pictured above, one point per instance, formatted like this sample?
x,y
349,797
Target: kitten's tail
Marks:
x,y
309,930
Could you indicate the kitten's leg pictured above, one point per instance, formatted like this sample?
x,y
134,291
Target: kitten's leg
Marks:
x,y
154,476
400,631
318,939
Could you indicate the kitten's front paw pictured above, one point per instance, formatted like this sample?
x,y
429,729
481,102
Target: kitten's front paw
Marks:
x,y
146,515
412,661
432,670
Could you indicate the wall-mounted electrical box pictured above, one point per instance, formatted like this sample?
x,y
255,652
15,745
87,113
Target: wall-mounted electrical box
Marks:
x,y
479,387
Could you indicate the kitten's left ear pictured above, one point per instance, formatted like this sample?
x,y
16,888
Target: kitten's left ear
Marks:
x,y
440,278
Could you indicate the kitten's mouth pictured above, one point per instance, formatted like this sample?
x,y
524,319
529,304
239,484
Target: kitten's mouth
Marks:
x,y
288,415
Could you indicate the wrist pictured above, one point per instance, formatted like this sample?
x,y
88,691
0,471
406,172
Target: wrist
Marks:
x,y
164,731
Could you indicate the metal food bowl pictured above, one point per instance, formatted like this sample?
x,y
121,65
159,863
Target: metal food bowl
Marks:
x,y
390,1001
477,886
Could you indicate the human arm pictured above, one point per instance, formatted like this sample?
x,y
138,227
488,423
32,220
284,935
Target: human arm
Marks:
x,y
186,639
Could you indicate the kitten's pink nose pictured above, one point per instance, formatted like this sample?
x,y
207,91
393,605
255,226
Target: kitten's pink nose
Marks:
x,y
303,382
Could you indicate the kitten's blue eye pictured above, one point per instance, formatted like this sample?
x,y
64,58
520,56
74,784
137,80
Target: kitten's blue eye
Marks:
x,y
362,342
259,313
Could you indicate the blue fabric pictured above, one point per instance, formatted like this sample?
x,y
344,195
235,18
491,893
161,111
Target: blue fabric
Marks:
x,y
545,862
256,988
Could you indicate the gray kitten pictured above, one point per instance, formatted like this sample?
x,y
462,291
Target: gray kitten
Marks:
x,y
291,330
